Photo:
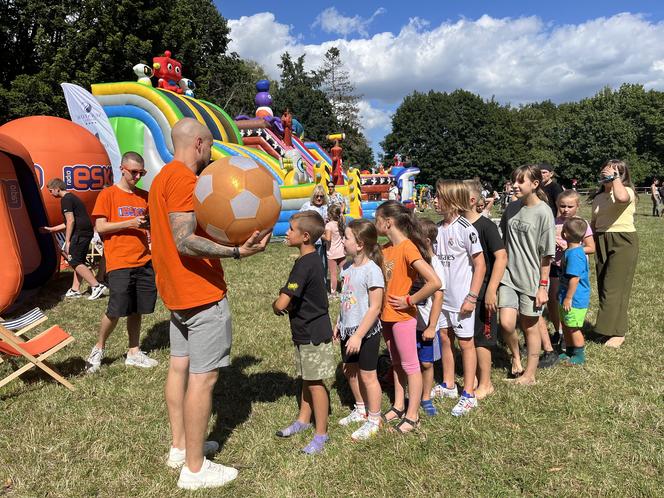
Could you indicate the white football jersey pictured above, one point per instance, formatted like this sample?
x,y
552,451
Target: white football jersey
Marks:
x,y
455,246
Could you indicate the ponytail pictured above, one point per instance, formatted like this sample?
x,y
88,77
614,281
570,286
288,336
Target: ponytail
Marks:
x,y
406,221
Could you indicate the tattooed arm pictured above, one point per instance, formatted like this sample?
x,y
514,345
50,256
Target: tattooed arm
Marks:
x,y
183,226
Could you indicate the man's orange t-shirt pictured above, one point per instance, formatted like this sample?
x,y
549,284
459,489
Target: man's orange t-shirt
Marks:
x,y
127,248
182,281
399,276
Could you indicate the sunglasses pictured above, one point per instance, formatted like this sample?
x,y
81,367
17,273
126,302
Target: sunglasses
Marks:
x,y
140,173
319,196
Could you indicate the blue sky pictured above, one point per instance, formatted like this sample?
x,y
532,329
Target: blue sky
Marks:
x,y
516,51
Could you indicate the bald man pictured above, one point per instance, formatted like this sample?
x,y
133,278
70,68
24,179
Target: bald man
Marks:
x,y
191,283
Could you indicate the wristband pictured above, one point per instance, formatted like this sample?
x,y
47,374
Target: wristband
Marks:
x,y
472,294
408,302
236,252
544,282
471,299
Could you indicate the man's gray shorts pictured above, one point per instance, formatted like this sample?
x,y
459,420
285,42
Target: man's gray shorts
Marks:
x,y
204,335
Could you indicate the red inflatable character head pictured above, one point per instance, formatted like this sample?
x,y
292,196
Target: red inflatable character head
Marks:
x,y
169,72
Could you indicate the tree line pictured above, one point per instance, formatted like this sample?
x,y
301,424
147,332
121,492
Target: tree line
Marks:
x,y
461,135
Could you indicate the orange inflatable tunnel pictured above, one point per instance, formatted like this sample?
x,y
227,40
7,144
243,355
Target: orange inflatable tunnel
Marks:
x,y
29,257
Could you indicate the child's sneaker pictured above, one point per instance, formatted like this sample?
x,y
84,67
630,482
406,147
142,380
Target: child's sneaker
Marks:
x,y
93,362
465,404
442,391
211,475
317,445
367,430
73,294
357,415
140,360
176,456
428,408
548,359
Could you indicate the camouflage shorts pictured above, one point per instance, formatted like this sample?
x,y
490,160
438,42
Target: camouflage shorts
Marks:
x,y
314,362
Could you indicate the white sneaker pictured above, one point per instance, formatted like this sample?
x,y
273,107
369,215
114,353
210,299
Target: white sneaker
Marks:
x,y
141,360
368,429
357,415
176,456
98,291
442,391
72,294
211,475
465,404
93,362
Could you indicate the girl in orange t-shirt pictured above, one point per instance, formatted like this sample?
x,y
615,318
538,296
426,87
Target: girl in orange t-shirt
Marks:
x,y
405,257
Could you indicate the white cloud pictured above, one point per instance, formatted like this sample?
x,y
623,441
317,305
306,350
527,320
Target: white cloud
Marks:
x,y
515,60
332,21
373,117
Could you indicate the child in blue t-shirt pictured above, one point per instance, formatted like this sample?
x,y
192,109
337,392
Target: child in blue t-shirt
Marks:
x,y
574,291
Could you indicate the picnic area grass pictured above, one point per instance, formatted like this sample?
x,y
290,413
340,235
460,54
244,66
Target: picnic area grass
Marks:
x,y
581,431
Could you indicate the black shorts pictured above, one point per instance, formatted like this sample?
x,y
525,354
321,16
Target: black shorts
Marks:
x,y
486,327
368,355
133,290
554,272
78,248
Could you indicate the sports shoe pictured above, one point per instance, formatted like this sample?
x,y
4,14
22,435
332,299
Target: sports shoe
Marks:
x,y
93,362
357,415
548,359
211,475
366,431
98,291
141,360
465,404
176,456
73,294
442,391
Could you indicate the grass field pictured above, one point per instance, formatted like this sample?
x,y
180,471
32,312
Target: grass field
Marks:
x,y
590,431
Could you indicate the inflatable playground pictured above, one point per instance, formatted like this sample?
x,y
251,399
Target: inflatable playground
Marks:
x,y
139,116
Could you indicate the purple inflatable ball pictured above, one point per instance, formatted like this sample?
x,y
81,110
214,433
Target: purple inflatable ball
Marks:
x,y
263,99
263,86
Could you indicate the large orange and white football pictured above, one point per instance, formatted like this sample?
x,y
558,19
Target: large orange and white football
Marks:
x,y
234,197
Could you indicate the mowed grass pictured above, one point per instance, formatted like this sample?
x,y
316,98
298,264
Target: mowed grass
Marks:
x,y
591,430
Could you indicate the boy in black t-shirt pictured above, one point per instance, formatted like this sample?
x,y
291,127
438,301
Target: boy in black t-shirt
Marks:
x,y
304,299
78,235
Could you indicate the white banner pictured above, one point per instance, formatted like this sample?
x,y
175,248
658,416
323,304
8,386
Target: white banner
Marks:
x,y
86,111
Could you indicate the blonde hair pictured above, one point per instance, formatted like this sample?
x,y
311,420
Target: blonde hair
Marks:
x,y
453,196
474,188
569,194
318,190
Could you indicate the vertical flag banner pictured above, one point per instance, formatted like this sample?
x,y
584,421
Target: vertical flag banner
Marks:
x,y
86,111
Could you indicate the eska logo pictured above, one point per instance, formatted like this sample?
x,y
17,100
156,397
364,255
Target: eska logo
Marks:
x,y
83,177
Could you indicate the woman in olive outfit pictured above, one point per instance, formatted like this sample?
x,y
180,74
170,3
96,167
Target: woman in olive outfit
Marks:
x,y
617,252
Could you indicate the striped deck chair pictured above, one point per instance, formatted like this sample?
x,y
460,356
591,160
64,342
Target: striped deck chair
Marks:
x,y
25,322
35,351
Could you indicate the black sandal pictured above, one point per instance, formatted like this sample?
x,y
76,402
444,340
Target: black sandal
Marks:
x,y
397,412
405,420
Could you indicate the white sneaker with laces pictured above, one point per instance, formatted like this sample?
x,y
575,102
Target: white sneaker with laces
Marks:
x,y
465,404
141,360
176,456
72,294
98,291
442,391
93,362
357,415
368,429
211,475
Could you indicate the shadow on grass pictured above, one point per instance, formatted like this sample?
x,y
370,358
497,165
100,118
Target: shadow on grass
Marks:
x,y
157,337
69,369
236,391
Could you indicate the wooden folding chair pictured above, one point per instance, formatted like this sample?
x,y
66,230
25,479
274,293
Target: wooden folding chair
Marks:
x,y
25,322
35,351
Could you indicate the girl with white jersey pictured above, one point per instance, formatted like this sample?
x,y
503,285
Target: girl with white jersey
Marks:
x,y
459,250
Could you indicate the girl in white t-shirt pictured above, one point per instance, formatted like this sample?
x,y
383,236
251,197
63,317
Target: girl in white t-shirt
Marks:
x,y
459,250
333,236
358,326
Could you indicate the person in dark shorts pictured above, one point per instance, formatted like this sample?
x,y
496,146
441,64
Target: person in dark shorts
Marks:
x,y
121,219
78,235
304,299
486,317
358,325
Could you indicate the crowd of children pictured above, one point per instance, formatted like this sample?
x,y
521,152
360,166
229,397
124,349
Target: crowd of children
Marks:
x,y
431,287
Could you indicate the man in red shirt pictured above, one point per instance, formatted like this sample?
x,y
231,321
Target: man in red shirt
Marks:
x,y
120,214
191,283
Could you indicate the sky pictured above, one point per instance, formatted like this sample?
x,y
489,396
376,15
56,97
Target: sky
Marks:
x,y
514,51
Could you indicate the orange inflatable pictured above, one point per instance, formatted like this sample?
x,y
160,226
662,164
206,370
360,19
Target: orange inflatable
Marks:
x,y
29,258
62,149
234,197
